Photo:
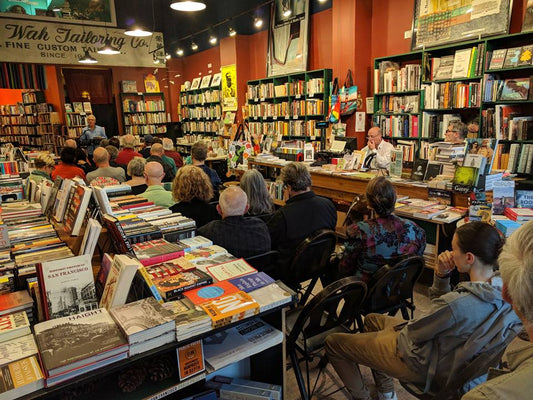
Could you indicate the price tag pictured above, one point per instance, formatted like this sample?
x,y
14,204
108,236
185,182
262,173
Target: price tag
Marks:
x,y
262,99
295,117
275,118
286,117
297,96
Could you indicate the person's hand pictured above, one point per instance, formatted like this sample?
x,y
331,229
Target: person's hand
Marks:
x,y
445,263
371,144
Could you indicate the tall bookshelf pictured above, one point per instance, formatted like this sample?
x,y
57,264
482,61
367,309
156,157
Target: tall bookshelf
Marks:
x,y
289,105
413,101
201,111
143,113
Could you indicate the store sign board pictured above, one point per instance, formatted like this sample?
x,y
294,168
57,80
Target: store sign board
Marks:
x,y
47,43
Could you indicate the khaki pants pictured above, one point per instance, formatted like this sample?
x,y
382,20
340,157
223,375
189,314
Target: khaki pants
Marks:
x,y
375,348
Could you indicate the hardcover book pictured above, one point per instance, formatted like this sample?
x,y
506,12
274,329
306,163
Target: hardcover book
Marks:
x,y
526,55
173,286
76,341
251,282
190,319
67,286
272,296
233,307
433,170
230,269
118,281
515,89
512,57
498,57
20,378
17,349
502,196
143,319
14,325
77,208
157,251
15,301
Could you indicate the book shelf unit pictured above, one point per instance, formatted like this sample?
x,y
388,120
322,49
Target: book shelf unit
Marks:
x,y
289,105
19,122
143,113
201,111
415,107
49,127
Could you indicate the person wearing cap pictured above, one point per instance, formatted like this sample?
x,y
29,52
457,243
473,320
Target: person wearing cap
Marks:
x,y
148,140
127,153
44,165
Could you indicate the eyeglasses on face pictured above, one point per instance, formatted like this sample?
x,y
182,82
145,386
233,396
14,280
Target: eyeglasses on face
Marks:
x,y
449,131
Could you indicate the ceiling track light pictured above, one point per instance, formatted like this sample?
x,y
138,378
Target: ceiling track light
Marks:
x,y
188,6
287,12
213,40
180,52
87,59
137,31
194,46
167,56
232,32
258,22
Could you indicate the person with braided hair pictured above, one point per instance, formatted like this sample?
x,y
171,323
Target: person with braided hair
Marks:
x,y
380,240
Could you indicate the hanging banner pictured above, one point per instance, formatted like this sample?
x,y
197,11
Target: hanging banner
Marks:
x,y
229,88
47,43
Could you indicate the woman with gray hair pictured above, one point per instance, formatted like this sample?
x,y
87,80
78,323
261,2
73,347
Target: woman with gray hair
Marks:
x,y
136,171
259,200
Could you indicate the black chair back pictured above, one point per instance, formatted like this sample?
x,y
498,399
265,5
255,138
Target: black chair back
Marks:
x,y
311,260
265,261
391,288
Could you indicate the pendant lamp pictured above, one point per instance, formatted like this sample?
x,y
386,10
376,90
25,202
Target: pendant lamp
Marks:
x,y
87,59
188,5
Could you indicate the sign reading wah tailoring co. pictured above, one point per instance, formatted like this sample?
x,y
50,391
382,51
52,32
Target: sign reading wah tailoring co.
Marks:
x,y
50,43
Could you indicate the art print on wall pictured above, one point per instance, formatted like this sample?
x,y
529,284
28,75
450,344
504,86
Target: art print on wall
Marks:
x,y
216,80
229,88
93,12
288,37
447,21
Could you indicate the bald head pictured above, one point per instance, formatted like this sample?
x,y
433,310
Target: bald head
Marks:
x,y
233,202
101,157
71,143
154,173
156,149
375,135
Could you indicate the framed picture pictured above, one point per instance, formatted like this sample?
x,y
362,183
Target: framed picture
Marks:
x,y
195,83
129,86
216,79
206,80
448,21
151,84
515,89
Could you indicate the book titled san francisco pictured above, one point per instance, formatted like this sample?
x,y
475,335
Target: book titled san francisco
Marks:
x,y
67,286
172,287
78,340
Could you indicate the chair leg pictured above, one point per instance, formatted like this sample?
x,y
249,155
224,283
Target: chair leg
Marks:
x,y
405,313
298,374
360,324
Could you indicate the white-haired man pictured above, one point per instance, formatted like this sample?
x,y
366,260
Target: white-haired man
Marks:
x,y
127,153
241,236
516,268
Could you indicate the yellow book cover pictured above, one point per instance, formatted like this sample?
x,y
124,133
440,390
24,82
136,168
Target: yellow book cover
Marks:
x,y
230,308
24,372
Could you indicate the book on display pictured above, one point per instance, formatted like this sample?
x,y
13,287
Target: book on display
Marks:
x,y
273,295
14,325
230,308
20,378
190,319
17,349
230,269
173,286
118,281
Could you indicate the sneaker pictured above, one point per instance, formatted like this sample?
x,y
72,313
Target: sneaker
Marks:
x,y
387,396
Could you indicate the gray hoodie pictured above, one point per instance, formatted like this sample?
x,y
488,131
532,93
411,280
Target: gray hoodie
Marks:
x,y
462,323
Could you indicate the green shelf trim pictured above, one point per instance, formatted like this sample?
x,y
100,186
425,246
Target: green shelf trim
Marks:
x,y
405,93
449,109
517,68
515,102
393,113
473,78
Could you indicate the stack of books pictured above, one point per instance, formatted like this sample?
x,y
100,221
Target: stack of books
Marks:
x,y
16,302
191,320
145,324
20,210
507,226
520,215
174,227
74,345
157,251
171,280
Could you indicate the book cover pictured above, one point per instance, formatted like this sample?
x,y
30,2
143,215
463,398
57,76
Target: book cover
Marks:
x,y
433,170
479,210
445,69
230,308
524,198
440,195
75,341
429,213
14,325
20,377
461,63
190,359
498,57
211,292
484,147
251,282
503,196
77,209
190,319
15,301
230,269
67,286
465,176
216,79
143,319
512,57
173,286
526,55
147,281
419,170
157,251
78,107
17,349
447,217
515,89
272,296
206,80
119,280
129,86
87,108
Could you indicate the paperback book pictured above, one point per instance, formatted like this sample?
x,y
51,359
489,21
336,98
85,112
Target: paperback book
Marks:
x,y
173,286
157,251
190,319
211,292
233,307
230,269
14,325
20,378
17,349
118,281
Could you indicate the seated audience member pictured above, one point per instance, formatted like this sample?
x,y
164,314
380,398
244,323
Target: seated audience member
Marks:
x,y
240,236
156,154
82,162
104,143
148,140
198,156
456,132
44,165
67,168
384,239
259,200
127,153
71,143
114,141
462,323
516,267
113,154
303,214
192,190
101,159
168,146
136,171
153,172
378,151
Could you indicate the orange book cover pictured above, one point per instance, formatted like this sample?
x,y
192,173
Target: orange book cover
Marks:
x,y
230,308
211,292
190,359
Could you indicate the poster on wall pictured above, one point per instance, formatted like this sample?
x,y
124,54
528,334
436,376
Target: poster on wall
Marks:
x,y
288,37
447,21
46,43
229,88
95,12
528,17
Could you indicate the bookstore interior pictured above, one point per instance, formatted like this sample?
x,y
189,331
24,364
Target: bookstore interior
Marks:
x,y
373,136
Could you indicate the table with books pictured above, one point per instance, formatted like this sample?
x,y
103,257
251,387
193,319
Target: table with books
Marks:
x,y
158,318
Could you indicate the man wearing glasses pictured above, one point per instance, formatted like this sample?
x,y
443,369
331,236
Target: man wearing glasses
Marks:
x,y
456,132
378,151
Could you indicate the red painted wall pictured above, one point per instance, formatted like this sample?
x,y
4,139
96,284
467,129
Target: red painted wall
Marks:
x,y
10,96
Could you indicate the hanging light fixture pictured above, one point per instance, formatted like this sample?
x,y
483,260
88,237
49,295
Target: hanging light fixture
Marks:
x,y
87,59
180,52
138,31
232,32
108,48
258,22
188,5
194,46
213,40
287,12
167,56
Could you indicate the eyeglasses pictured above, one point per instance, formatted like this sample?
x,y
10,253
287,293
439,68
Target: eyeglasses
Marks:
x,y
448,131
